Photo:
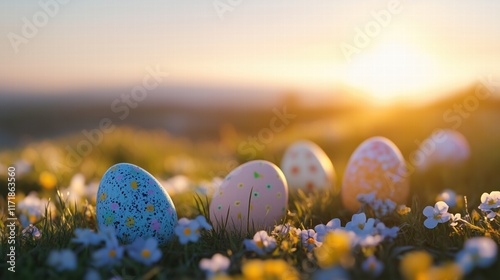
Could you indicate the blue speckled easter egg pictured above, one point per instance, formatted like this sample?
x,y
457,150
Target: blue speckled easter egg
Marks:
x,y
135,204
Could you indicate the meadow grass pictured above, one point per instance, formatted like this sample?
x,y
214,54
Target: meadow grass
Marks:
x,y
181,261
165,156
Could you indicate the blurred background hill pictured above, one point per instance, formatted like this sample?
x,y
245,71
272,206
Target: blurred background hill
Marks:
x,y
203,141
195,114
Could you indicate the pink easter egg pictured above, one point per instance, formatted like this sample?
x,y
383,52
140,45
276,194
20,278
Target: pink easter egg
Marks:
x,y
376,165
252,197
306,166
443,147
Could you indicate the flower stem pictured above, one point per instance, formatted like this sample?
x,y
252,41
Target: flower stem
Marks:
x,y
473,226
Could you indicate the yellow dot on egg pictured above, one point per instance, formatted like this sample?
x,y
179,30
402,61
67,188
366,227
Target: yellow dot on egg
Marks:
x,y
278,194
220,193
103,196
130,222
150,208
239,216
133,185
237,203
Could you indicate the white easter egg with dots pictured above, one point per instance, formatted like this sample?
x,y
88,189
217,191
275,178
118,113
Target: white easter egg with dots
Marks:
x,y
306,166
253,196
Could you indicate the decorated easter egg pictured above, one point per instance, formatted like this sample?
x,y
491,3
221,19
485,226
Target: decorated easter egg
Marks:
x,y
306,166
376,165
253,196
443,147
133,202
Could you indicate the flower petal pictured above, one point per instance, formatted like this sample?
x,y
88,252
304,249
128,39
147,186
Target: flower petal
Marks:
x,y
491,215
429,211
441,206
430,223
445,217
484,196
334,224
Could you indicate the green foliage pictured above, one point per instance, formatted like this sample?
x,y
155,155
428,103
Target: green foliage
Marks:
x,y
165,156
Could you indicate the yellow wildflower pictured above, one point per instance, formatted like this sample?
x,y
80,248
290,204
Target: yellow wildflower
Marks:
x,y
335,248
47,180
268,270
415,265
448,271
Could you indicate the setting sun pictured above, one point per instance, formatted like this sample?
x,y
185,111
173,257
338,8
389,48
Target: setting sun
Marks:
x,y
388,70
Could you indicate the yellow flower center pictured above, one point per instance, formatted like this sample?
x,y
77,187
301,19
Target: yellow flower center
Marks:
x,y
133,185
259,244
491,202
146,253
112,253
310,240
437,216
475,258
371,266
187,231
361,226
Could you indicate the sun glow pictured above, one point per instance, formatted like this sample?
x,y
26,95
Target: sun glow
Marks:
x,y
392,71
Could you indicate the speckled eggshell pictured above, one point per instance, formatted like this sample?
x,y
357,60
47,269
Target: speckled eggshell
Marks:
x,y
444,147
376,165
306,166
135,204
254,194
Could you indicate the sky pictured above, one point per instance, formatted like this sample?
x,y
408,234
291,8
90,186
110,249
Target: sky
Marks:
x,y
391,49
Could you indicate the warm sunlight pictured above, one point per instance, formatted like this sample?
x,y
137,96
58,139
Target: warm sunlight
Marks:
x,y
389,70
